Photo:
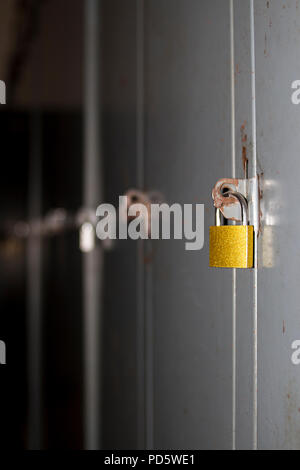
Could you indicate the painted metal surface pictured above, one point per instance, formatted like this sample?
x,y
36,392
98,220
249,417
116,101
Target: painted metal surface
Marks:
x,y
214,101
245,286
123,408
187,145
277,26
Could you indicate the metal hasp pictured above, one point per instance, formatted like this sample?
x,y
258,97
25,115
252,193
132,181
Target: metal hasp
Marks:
x,y
231,246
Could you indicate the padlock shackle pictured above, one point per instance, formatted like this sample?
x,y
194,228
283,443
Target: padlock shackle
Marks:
x,y
244,205
218,216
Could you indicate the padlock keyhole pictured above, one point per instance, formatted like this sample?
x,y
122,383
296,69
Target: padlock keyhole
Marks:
x,y
225,190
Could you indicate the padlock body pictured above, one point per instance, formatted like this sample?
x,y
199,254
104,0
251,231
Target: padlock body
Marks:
x,y
231,246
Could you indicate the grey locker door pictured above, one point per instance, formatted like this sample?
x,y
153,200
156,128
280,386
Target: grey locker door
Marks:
x,y
187,149
267,299
209,96
277,51
167,318
222,370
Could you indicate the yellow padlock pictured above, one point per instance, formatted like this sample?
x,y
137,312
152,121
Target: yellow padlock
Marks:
x,y
231,246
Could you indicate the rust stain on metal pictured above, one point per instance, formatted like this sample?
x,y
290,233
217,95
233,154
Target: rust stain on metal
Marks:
x,y
244,139
243,126
219,199
148,259
266,46
245,161
260,190
260,196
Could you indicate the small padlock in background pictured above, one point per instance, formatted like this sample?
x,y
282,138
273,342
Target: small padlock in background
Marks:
x,y
231,246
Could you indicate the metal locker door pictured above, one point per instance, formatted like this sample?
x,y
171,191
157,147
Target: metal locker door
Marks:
x,y
277,67
209,97
187,149
266,39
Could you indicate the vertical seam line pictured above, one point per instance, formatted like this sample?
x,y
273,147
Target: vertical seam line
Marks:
x,y
255,355
233,168
140,292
